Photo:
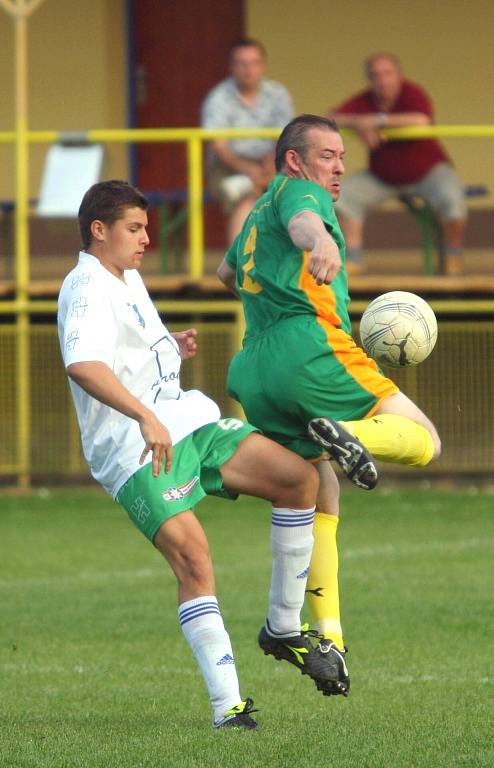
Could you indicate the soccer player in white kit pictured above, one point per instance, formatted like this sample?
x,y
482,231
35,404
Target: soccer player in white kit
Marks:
x,y
159,450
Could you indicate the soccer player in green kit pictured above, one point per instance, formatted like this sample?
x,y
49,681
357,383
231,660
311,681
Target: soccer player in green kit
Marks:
x,y
300,377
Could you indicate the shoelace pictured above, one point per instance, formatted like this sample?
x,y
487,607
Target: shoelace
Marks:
x,y
308,632
248,708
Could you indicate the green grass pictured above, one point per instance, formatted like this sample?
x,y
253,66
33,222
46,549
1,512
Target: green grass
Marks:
x,y
94,671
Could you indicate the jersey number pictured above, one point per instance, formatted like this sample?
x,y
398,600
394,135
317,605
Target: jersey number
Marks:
x,y
248,284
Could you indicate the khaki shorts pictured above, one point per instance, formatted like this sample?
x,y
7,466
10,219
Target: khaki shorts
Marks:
x,y
441,188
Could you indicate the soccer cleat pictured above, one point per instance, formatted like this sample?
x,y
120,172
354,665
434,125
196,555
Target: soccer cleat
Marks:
x,y
347,450
239,716
337,659
318,664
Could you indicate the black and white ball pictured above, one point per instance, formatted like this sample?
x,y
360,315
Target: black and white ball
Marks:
x,y
398,329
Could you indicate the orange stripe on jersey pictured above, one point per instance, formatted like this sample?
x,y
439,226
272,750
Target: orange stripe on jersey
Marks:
x,y
356,363
321,297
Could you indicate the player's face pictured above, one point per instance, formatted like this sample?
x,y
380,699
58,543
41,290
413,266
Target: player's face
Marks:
x,y
385,78
124,241
323,162
247,67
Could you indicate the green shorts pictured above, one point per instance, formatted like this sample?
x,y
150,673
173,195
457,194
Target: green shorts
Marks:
x,y
303,368
195,473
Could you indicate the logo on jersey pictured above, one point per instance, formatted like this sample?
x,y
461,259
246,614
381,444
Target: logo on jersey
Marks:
x,y
140,510
79,307
137,314
80,280
175,494
72,340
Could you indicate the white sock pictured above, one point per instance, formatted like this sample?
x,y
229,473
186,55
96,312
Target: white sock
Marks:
x,y
204,631
291,545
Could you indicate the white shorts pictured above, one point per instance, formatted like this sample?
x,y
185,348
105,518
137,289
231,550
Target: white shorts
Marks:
x,y
441,188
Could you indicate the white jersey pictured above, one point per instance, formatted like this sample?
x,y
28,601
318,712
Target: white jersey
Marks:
x,y
102,318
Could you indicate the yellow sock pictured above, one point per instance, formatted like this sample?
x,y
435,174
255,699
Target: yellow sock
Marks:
x,y
394,438
322,585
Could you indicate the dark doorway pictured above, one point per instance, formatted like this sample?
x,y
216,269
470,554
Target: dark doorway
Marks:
x,y
178,52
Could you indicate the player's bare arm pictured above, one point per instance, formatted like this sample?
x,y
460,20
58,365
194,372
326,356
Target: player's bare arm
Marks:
x,y
227,276
99,381
307,231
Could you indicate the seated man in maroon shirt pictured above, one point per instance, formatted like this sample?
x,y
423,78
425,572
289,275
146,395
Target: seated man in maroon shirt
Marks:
x,y
420,167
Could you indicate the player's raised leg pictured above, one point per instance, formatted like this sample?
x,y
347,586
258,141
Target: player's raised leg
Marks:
x,y
398,432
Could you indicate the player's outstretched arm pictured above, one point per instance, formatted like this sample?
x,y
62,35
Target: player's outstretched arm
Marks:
x,y
307,231
99,381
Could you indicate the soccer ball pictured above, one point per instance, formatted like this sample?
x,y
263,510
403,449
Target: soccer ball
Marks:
x,y
398,329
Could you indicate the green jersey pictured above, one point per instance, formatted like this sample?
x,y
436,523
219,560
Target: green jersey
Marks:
x,y
271,272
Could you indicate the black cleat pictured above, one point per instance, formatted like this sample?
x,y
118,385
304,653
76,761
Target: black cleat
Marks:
x,y
318,664
239,717
347,450
336,659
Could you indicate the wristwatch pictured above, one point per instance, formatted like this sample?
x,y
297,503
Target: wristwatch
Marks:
x,y
381,119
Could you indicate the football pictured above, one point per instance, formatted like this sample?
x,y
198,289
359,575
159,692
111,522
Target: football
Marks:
x,y
398,329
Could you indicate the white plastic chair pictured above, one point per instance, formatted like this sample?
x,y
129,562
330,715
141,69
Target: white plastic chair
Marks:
x,y
68,172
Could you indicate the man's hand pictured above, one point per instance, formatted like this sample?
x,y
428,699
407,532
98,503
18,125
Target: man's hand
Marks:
x,y
369,132
187,343
259,177
158,440
324,261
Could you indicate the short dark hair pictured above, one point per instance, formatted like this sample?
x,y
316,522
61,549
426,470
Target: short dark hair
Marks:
x,y
245,42
107,201
294,136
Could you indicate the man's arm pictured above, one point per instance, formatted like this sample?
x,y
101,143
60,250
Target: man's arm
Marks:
x,y
380,119
369,124
307,231
99,381
227,276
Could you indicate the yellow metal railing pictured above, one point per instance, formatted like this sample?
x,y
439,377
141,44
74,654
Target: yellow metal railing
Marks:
x,y
194,138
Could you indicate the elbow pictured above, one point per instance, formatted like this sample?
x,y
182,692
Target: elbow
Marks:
x,y
75,372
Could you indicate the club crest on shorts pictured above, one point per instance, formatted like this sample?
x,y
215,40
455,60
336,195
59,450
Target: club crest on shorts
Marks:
x,y
175,494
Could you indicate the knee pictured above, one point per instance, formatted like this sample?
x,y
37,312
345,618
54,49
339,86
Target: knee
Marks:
x,y
303,487
309,485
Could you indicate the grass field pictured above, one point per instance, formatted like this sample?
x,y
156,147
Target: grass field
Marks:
x,y
94,671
